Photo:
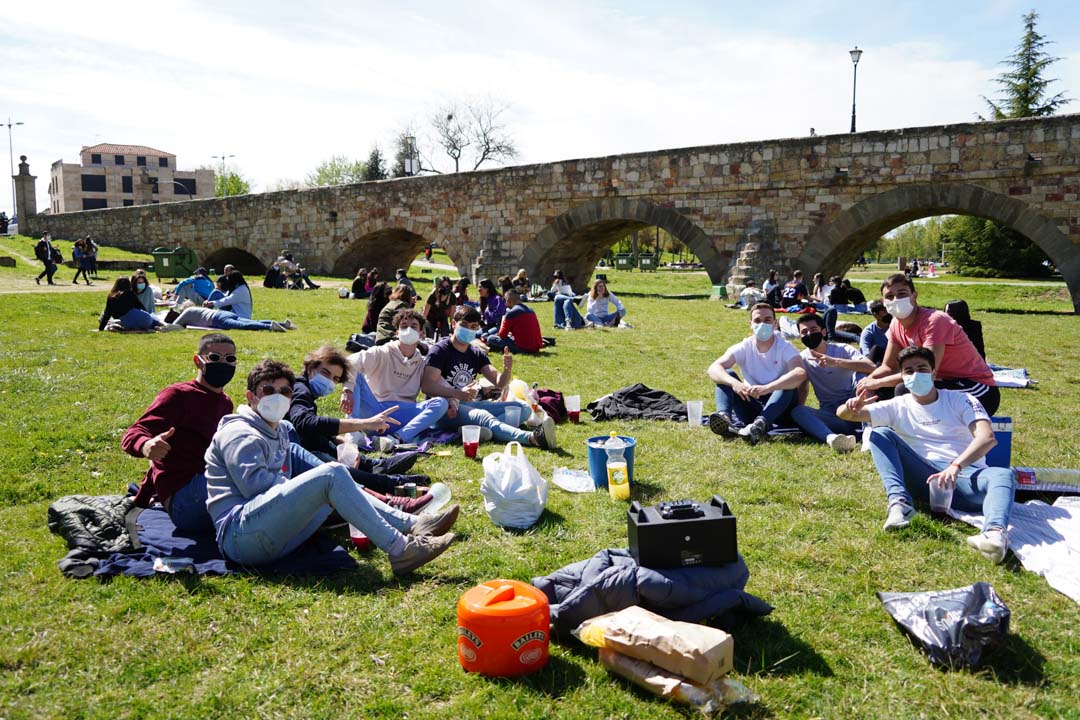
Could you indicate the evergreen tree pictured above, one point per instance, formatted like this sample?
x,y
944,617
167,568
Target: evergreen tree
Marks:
x,y
1024,86
983,248
374,169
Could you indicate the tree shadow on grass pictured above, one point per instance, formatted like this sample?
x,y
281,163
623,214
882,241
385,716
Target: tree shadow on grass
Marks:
x,y
662,296
1023,311
765,647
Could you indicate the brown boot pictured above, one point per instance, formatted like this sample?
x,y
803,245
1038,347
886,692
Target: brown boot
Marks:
x,y
419,551
437,523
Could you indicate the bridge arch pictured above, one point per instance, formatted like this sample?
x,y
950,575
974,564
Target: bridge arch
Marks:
x,y
244,261
833,248
576,240
389,244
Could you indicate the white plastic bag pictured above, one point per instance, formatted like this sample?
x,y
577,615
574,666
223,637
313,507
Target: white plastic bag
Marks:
x,y
514,492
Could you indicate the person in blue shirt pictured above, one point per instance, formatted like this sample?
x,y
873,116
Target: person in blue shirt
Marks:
x,y
196,288
237,296
873,342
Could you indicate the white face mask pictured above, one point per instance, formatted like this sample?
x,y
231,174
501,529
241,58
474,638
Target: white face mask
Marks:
x,y
408,335
900,308
762,331
273,408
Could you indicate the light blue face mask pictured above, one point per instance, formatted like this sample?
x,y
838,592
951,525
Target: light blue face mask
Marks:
x,y
465,335
321,385
762,331
919,383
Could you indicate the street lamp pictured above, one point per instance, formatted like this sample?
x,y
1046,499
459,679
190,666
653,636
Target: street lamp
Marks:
x,y
412,163
855,55
224,181
11,162
183,187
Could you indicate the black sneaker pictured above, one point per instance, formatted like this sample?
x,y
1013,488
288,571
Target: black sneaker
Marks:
x,y
720,423
396,464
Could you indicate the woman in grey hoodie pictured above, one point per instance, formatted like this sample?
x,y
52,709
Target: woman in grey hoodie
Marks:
x,y
266,499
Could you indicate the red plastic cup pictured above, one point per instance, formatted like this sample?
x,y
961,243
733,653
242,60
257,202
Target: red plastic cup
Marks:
x,y
470,439
360,541
575,416
573,408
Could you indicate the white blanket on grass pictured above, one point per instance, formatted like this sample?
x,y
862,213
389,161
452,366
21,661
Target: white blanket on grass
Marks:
x,y
1045,538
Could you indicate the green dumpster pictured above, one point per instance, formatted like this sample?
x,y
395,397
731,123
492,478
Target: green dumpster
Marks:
x,y
175,264
625,261
719,292
647,261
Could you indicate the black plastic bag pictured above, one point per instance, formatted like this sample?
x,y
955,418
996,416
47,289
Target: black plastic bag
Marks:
x,y
953,627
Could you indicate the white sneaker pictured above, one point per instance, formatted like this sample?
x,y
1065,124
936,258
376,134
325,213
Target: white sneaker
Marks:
x,y
387,443
169,327
288,324
485,433
842,443
993,544
277,327
900,514
548,428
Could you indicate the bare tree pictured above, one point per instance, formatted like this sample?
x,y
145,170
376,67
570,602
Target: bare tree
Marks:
x,y
452,132
487,134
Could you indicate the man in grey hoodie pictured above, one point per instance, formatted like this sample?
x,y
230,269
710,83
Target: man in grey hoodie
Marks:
x,y
266,499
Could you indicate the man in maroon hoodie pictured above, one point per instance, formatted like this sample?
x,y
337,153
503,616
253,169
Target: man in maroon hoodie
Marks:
x,y
175,431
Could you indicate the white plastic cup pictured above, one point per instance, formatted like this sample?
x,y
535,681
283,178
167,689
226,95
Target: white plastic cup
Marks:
x,y
470,439
940,498
693,413
512,415
440,495
573,408
347,453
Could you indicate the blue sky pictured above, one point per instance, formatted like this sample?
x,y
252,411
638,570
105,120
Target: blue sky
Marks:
x,y
285,85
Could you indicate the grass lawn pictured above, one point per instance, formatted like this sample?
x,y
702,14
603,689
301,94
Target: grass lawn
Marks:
x,y
364,644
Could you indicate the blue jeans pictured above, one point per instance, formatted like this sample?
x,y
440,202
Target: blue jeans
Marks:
x,y
489,415
187,507
819,424
745,411
562,303
226,320
903,473
271,525
138,319
831,333
415,418
602,319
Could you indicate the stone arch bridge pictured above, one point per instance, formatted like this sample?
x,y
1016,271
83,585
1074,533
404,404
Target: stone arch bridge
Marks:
x,y
815,203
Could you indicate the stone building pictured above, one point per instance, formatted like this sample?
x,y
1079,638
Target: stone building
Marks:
x,y
111,176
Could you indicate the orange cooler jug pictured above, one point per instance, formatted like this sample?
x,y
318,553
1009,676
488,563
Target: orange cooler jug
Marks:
x,y
503,629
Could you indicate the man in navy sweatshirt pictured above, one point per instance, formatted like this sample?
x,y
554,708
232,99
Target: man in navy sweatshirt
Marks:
x,y
174,432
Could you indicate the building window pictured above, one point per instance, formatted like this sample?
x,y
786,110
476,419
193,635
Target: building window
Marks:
x,y
188,186
95,159
118,159
125,183
153,183
93,183
163,162
94,203
140,160
154,202
128,203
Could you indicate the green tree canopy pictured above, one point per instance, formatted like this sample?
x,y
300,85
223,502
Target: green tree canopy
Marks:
x,y
1024,86
231,183
374,168
984,248
338,170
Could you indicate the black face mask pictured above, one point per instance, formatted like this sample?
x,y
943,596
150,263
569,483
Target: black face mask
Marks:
x,y
885,319
812,340
218,374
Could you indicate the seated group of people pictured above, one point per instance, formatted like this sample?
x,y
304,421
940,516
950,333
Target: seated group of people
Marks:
x,y
602,308
285,272
928,401
264,478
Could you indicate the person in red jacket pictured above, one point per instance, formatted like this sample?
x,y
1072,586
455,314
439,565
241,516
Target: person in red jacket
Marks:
x,y
520,330
175,431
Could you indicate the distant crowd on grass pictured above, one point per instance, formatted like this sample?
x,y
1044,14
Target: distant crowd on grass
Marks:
x,y
918,384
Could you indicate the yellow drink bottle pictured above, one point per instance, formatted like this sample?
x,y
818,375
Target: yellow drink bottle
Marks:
x,y
617,476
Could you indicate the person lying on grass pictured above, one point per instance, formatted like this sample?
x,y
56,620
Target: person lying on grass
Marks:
x,y
773,371
175,431
454,365
267,496
830,369
936,436
226,320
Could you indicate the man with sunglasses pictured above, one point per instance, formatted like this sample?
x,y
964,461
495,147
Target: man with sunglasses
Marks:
x,y
174,432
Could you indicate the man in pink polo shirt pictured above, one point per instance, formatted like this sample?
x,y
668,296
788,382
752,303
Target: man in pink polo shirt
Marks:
x,y
959,365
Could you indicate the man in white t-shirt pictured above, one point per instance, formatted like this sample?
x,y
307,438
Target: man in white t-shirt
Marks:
x,y
831,369
936,436
772,370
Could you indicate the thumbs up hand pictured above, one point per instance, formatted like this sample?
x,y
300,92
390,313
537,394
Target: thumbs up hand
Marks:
x,y
158,446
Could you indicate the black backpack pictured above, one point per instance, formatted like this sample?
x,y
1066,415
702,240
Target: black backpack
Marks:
x,y
41,251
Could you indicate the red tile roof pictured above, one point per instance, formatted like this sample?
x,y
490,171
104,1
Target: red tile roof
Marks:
x,y
110,149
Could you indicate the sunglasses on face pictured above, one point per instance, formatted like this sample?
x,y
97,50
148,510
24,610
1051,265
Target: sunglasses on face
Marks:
x,y
266,390
216,357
